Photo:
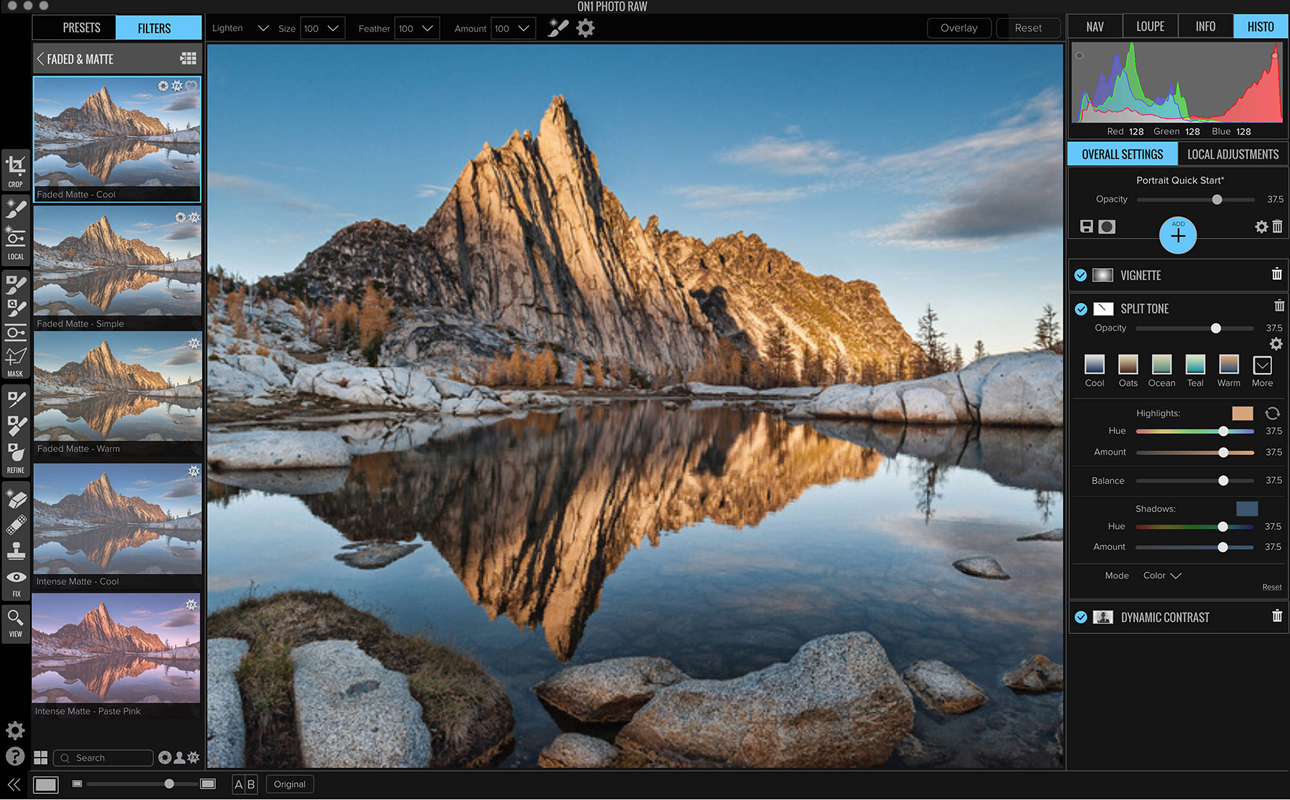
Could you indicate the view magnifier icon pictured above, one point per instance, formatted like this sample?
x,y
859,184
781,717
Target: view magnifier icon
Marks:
x,y
14,616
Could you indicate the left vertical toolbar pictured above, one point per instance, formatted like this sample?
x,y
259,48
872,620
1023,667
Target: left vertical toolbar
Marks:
x,y
102,309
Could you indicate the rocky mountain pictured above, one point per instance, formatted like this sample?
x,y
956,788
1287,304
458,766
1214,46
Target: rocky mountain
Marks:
x,y
98,633
101,504
101,246
99,116
529,239
100,368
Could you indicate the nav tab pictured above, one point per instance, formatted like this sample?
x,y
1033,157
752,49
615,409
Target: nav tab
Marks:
x,y
156,27
73,27
1260,26
1205,26
1102,26
1151,26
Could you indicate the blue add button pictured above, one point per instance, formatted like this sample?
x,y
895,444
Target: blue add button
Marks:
x,y
1260,26
148,26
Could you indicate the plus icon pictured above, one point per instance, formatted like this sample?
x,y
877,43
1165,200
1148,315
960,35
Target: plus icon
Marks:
x,y
1178,236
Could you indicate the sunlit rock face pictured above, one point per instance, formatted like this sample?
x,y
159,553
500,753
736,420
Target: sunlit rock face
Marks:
x,y
529,239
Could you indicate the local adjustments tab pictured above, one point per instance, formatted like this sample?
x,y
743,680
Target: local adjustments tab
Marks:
x,y
1175,342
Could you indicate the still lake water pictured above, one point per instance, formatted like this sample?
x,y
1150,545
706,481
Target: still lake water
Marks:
x,y
722,539
124,415
128,549
124,678
128,162
125,290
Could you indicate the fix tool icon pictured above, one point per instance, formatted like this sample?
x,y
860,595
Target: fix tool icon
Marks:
x,y
16,554
13,212
16,525
16,499
558,28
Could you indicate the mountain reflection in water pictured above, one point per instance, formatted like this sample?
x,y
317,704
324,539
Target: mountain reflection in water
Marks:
x,y
100,413
178,680
102,285
101,157
534,514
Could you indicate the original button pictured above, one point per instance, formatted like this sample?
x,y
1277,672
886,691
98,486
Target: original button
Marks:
x,y
291,783
322,27
959,28
416,27
1029,28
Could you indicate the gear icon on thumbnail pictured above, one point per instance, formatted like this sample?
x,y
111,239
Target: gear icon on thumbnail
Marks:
x,y
1275,344
15,730
586,27
1261,226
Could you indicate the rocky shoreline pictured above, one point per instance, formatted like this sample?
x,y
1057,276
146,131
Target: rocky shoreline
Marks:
x,y
838,703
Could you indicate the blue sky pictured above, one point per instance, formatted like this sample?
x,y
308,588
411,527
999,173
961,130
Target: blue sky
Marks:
x,y
163,614
166,485
154,225
932,171
164,352
53,95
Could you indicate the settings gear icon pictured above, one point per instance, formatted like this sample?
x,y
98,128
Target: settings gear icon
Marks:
x,y
1275,344
15,730
1261,226
586,27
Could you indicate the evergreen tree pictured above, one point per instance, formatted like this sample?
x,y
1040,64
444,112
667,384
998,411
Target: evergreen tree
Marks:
x,y
979,353
1047,329
957,363
935,357
779,355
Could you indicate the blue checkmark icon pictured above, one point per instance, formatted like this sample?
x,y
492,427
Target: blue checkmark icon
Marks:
x,y
1080,617
1081,309
1080,275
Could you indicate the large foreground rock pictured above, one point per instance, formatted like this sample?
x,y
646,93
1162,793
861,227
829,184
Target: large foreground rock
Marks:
x,y
225,729
267,449
608,691
351,712
837,703
578,751
1038,673
1011,389
943,688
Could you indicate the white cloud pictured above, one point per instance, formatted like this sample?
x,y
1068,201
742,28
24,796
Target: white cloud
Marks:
x,y
723,197
430,190
788,156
